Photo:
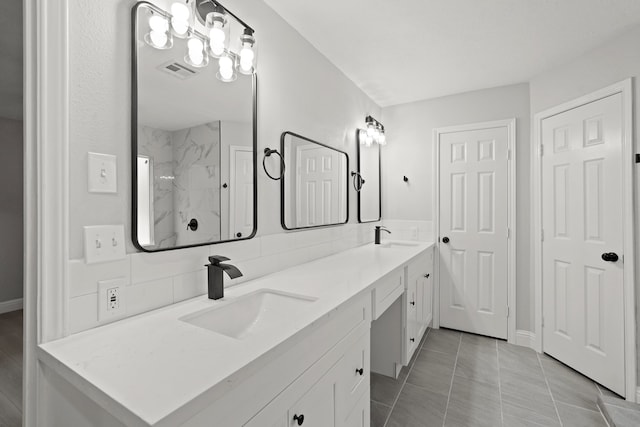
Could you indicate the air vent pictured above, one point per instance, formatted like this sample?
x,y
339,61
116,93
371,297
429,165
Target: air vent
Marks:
x,y
178,70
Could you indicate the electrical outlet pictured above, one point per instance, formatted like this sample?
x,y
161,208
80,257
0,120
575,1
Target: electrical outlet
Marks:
x,y
113,299
103,243
102,173
110,299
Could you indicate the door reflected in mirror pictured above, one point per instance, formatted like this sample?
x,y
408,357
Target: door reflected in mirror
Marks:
x,y
193,148
369,197
314,187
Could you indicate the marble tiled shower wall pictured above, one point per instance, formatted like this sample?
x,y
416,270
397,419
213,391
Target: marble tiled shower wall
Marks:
x,y
186,184
154,280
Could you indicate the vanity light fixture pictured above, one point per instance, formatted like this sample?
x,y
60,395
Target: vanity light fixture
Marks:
x,y
373,132
214,41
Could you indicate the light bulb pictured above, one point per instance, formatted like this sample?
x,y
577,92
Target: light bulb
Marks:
x,y
226,73
196,57
180,19
180,11
382,139
195,45
225,62
217,49
158,38
246,58
217,34
370,130
158,23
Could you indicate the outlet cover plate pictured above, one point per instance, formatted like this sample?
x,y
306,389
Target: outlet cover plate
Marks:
x,y
104,243
102,173
108,311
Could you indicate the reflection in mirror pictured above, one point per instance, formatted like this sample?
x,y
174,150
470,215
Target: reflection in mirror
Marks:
x,y
314,188
369,200
193,148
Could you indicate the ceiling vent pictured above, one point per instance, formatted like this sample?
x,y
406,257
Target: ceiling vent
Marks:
x,y
177,70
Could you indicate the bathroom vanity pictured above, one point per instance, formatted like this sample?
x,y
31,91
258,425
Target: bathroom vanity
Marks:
x,y
291,348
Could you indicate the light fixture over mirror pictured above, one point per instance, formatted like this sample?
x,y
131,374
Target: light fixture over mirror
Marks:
x,y
211,30
372,133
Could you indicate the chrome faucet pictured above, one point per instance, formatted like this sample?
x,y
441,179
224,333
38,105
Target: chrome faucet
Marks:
x,y
216,279
378,229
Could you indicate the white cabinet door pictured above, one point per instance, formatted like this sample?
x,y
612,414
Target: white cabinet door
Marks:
x,y
361,415
582,220
473,231
317,407
412,322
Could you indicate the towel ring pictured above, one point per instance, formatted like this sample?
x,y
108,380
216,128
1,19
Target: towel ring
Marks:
x,y
358,181
267,153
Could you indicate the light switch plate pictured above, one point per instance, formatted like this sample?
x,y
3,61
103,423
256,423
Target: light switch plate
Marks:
x,y
103,243
102,173
111,304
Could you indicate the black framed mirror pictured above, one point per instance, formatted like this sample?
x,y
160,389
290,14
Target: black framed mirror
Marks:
x,y
367,182
314,188
194,173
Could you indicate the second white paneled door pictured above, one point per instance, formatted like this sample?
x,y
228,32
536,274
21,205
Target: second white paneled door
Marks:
x,y
582,219
473,230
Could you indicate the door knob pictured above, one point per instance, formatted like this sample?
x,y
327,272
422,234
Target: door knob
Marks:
x,y
610,256
299,419
445,240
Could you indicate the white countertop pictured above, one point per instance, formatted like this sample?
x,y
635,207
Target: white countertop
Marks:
x,y
153,364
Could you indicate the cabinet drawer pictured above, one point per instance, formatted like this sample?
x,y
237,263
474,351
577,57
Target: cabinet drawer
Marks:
x,y
353,376
386,291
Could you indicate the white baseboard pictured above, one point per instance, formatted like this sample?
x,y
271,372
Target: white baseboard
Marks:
x,y
12,305
526,339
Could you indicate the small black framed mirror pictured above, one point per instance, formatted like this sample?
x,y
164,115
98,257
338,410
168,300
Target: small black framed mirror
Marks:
x,y
314,188
367,181
193,133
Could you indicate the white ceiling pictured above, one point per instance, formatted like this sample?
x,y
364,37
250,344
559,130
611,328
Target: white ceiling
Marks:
x,y
11,59
410,50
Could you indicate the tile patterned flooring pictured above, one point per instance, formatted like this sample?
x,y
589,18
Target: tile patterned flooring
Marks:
x,y
464,380
11,369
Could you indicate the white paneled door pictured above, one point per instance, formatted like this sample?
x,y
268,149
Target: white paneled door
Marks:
x,y
318,186
582,220
241,195
474,230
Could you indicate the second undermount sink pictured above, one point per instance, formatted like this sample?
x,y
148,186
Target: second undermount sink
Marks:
x,y
251,314
399,245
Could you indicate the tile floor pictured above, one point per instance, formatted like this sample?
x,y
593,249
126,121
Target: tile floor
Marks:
x,y
11,369
465,380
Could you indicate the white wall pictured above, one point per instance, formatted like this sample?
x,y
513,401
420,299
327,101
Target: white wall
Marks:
x,y
614,61
410,152
11,145
298,90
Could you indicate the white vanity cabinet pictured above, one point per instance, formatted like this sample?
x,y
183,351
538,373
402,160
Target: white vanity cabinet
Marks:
x,y
321,397
401,321
418,301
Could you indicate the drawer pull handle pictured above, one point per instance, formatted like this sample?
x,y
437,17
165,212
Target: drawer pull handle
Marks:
x,y
299,419
427,275
412,339
412,303
360,371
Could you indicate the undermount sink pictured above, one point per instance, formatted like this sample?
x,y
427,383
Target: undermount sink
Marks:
x,y
398,245
251,314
